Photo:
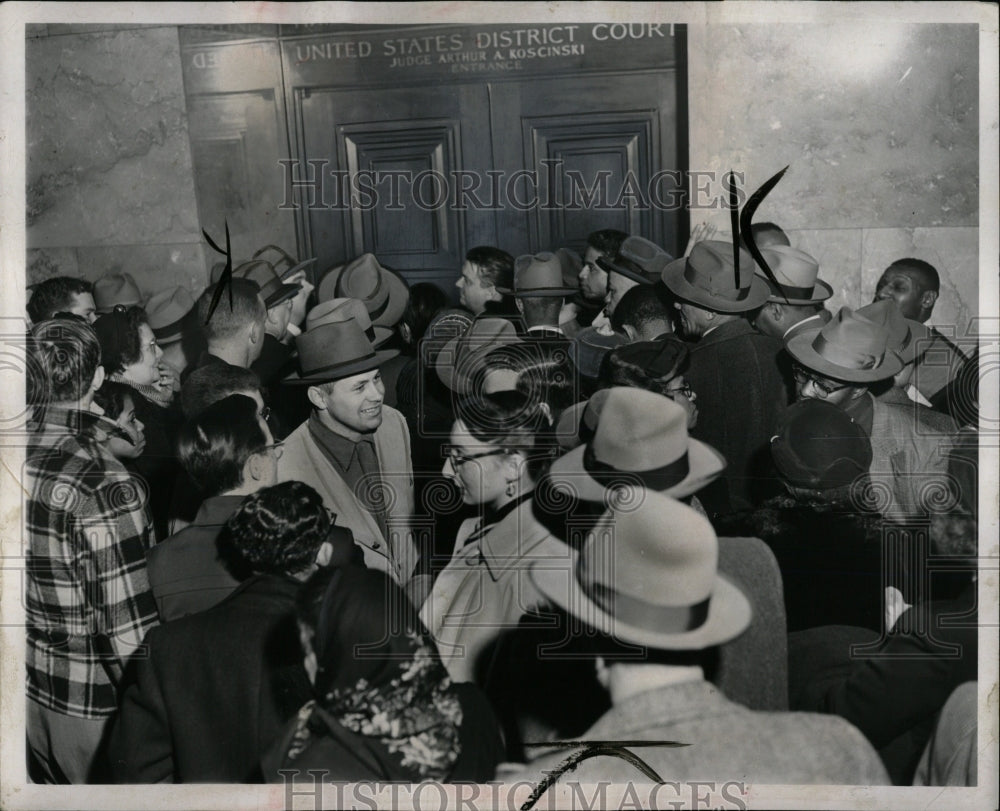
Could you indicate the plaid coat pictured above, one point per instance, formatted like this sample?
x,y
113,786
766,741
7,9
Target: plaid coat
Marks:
x,y
88,599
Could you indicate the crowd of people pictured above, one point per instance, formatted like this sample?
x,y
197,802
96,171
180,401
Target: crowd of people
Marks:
x,y
332,522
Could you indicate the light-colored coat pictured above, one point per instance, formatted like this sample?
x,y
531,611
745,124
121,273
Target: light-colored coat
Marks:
x,y
303,460
486,588
909,460
727,742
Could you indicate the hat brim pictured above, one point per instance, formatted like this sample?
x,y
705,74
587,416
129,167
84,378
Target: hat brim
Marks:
x,y
821,292
460,379
800,347
347,370
399,295
729,613
610,267
296,268
282,294
540,292
673,278
567,473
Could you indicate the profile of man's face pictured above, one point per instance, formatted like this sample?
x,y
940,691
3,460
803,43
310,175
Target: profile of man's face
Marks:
x,y
905,288
83,306
474,292
593,278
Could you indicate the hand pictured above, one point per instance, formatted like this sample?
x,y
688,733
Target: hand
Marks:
x,y
895,606
301,298
169,379
699,233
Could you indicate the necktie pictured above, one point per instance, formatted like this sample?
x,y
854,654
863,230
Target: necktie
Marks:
x,y
372,495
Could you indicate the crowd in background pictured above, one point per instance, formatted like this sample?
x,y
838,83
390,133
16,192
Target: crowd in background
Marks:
x,y
330,521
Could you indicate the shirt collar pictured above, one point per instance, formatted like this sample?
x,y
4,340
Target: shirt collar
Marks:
x,y
339,446
546,328
816,317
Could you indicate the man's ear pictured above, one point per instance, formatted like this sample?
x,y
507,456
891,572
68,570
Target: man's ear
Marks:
x,y
495,294
253,468
316,397
98,379
775,309
324,555
256,328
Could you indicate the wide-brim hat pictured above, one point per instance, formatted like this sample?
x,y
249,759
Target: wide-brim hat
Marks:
x,y
641,439
849,347
272,289
637,259
343,309
383,292
706,278
797,274
590,345
331,352
577,423
909,339
460,358
648,575
571,263
167,313
285,265
114,289
539,276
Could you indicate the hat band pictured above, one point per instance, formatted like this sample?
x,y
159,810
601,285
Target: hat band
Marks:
x,y
334,366
659,478
843,357
694,278
791,291
170,329
659,619
370,332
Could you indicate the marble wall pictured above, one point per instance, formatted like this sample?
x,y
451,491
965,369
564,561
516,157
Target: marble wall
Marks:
x,y
879,125
110,185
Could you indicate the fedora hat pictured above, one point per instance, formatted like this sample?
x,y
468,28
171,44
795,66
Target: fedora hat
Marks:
x,y
649,576
461,357
571,263
577,424
166,312
333,351
818,445
706,278
272,289
589,347
342,309
909,339
797,274
848,347
381,290
637,259
641,439
285,265
539,275
116,288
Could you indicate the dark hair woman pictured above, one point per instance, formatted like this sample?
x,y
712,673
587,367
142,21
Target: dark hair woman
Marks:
x,y
130,355
385,708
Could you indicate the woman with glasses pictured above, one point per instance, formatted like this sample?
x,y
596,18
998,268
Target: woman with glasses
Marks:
x,y
657,366
130,355
499,447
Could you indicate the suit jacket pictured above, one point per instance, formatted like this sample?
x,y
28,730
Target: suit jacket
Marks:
x,y
303,460
185,571
486,588
909,460
214,691
741,395
934,420
728,742
937,366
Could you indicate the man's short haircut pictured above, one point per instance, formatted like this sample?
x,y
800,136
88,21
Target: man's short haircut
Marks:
x,y
214,446
54,296
248,308
926,273
211,383
607,241
542,310
496,267
65,354
642,305
277,530
118,333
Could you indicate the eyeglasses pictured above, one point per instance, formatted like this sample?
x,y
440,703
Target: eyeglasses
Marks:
x,y
686,390
822,384
458,458
274,446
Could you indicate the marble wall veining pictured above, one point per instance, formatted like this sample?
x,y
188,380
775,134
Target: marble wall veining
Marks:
x,y
879,125
110,185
